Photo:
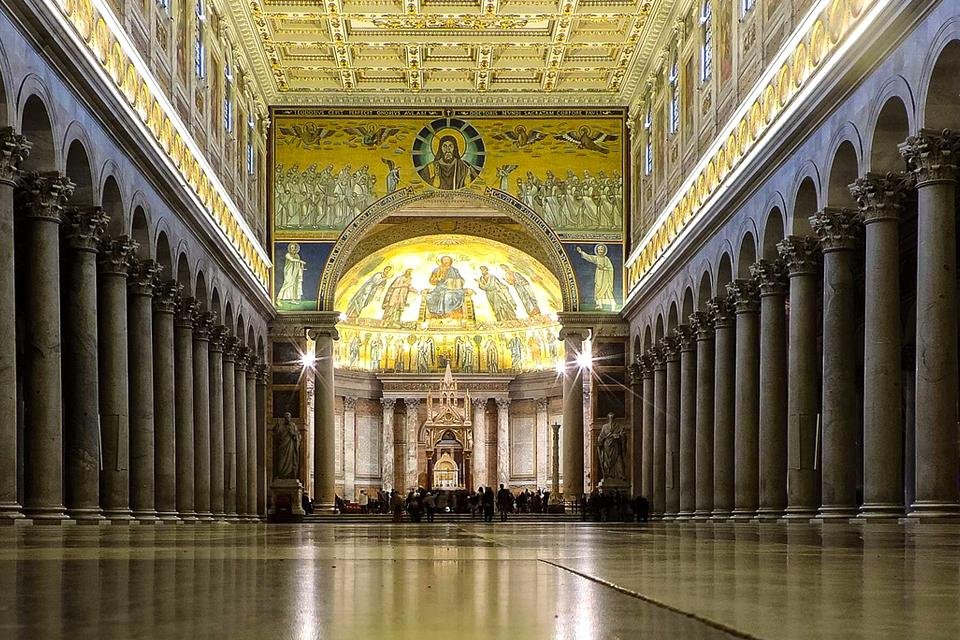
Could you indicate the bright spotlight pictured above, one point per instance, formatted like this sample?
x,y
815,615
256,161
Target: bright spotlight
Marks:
x,y
560,368
307,360
343,317
584,361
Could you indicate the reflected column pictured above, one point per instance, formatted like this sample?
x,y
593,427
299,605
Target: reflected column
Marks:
x,y
744,295
140,289
116,379
218,337
14,148
800,253
164,397
724,406
702,324
836,230
772,278
387,454
202,327
688,421
933,159
41,201
81,397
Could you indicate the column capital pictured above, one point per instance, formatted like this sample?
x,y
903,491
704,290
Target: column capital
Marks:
x,y
503,404
836,228
721,311
932,155
350,403
202,326
411,402
263,374
670,345
186,312
800,254
218,338
144,276
770,276
42,195
241,357
478,403
646,363
574,333
635,374
702,324
388,403
116,256
230,346
744,295
658,356
165,294
686,337
542,404
253,363
84,228
316,333
14,149
881,196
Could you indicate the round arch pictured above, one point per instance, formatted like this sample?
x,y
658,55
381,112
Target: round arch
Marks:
x,y
559,264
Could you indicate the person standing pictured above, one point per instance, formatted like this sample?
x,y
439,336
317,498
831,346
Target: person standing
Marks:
x,y
488,504
504,502
364,501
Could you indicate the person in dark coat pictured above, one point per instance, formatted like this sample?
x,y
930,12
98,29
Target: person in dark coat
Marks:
x,y
504,502
488,499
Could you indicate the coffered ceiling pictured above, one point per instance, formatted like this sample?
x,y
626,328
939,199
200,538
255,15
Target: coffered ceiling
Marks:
x,y
476,51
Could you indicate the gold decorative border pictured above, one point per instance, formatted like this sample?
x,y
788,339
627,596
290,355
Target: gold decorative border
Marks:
x,y
109,48
835,21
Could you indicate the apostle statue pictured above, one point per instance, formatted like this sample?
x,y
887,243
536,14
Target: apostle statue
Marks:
x,y
286,450
367,292
498,296
448,170
603,277
446,298
291,289
612,450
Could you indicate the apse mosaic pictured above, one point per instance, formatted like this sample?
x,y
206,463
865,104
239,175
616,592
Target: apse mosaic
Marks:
x,y
477,304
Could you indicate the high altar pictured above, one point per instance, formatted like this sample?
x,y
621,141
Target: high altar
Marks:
x,y
447,437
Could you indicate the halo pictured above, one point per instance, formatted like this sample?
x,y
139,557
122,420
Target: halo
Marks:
x,y
448,131
292,246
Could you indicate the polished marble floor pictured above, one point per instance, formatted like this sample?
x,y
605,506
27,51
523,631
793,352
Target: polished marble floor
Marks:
x,y
466,581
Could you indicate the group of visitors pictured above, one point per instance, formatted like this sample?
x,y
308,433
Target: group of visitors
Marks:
x,y
613,506
420,504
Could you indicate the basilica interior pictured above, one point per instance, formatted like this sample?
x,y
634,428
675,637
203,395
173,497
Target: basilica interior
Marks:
x,y
671,284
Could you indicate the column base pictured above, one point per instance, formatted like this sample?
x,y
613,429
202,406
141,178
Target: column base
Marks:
x,y
743,515
168,517
701,515
189,518
926,509
118,515
85,516
799,514
880,511
232,517
205,516
720,516
769,514
47,515
15,522
685,515
834,513
146,517
10,511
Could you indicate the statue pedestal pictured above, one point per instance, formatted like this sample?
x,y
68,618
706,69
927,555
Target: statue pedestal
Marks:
x,y
614,484
286,501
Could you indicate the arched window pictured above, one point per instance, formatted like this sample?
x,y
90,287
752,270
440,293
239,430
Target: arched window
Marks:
x,y
199,50
674,79
706,47
227,97
648,137
251,149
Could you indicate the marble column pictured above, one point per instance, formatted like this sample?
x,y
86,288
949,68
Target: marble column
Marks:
x,y
543,440
115,377
658,501
672,428
573,414
687,461
324,416
702,324
410,448
724,406
387,472
240,432
503,441
555,467
218,337
646,371
231,346
743,293
263,379
14,148
635,376
41,200
251,397
771,275
350,448
800,253
164,398
187,309
479,407
881,199
141,287
836,229
202,326
83,230
933,159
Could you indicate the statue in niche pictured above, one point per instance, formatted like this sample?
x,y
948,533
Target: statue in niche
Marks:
x,y
286,450
612,450
291,289
603,277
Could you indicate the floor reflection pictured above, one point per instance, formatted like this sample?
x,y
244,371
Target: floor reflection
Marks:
x,y
474,581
